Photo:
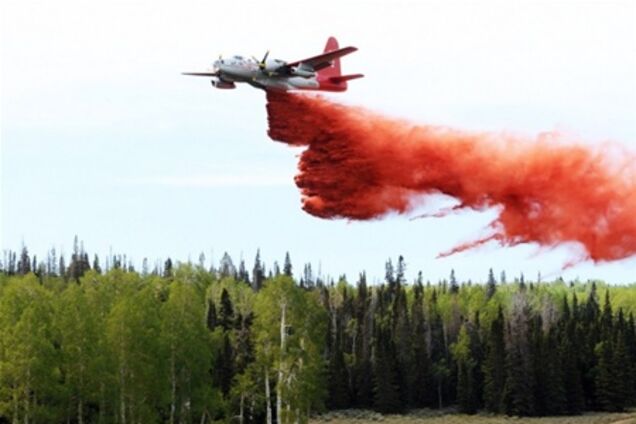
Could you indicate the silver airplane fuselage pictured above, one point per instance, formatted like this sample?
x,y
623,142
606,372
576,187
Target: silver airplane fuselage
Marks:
x,y
240,69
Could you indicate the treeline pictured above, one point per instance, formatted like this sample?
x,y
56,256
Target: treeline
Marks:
x,y
191,343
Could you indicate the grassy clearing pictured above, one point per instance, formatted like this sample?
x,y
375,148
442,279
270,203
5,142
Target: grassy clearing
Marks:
x,y
449,417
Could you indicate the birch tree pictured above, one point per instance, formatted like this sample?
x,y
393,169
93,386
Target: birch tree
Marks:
x,y
289,331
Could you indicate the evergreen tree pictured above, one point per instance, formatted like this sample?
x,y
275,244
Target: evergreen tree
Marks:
x,y
243,275
478,354
24,265
493,367
587,338
421,362
287,266
226,312
389,274
338,389
62,267
454,287
403,342
258,273
96,266
518,394
244,346
226,267
386,391
224,365
34,265
607,392
75,267
211,318
548,373
308,276
622,371
400,271
574,396
440,367
167,268
491,286
630,342
363,369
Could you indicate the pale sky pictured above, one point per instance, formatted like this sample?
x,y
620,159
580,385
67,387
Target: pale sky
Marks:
x,y
102,137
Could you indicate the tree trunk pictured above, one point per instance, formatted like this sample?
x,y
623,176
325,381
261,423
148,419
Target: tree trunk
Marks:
x,y
439,393
241,408
27,406
173,391
184,412
122,397
279,383
80,411
16,407
268,397
80,401
102,403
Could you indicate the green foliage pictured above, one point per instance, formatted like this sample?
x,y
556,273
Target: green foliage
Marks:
x,y
29,376
186,344
494,373
467,392
290,330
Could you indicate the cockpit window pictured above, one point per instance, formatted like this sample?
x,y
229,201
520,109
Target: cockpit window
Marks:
x,y
238,57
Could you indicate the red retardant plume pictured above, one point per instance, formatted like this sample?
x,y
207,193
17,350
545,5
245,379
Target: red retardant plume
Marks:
x,y
361,165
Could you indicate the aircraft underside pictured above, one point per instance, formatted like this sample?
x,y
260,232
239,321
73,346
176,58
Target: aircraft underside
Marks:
x,y
283,84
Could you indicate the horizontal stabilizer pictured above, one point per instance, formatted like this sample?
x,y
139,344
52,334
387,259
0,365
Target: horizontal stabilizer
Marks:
x,y
342,78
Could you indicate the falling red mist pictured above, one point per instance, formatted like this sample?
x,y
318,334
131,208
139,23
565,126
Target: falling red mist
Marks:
x,y
362,165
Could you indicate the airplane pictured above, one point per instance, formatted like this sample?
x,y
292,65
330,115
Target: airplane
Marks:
x,y
318,73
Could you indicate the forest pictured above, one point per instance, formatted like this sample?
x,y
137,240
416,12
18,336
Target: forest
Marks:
x,y
82,342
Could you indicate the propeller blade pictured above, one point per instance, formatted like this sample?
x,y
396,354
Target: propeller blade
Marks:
x,y
262,63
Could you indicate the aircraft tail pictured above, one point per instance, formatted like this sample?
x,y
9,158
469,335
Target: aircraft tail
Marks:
x,y
331,78
334,69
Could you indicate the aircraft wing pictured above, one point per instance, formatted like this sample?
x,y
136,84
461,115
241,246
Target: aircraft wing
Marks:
x,y
201,74
323,60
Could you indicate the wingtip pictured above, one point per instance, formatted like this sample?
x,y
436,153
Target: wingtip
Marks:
x,y
201,74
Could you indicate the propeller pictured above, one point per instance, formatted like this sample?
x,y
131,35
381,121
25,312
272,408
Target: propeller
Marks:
x,y
263,63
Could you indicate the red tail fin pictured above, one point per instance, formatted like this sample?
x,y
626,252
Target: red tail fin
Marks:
x,y
334,69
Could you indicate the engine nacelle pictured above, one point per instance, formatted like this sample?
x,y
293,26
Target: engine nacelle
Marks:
x,y
224,85
300,72
271,66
